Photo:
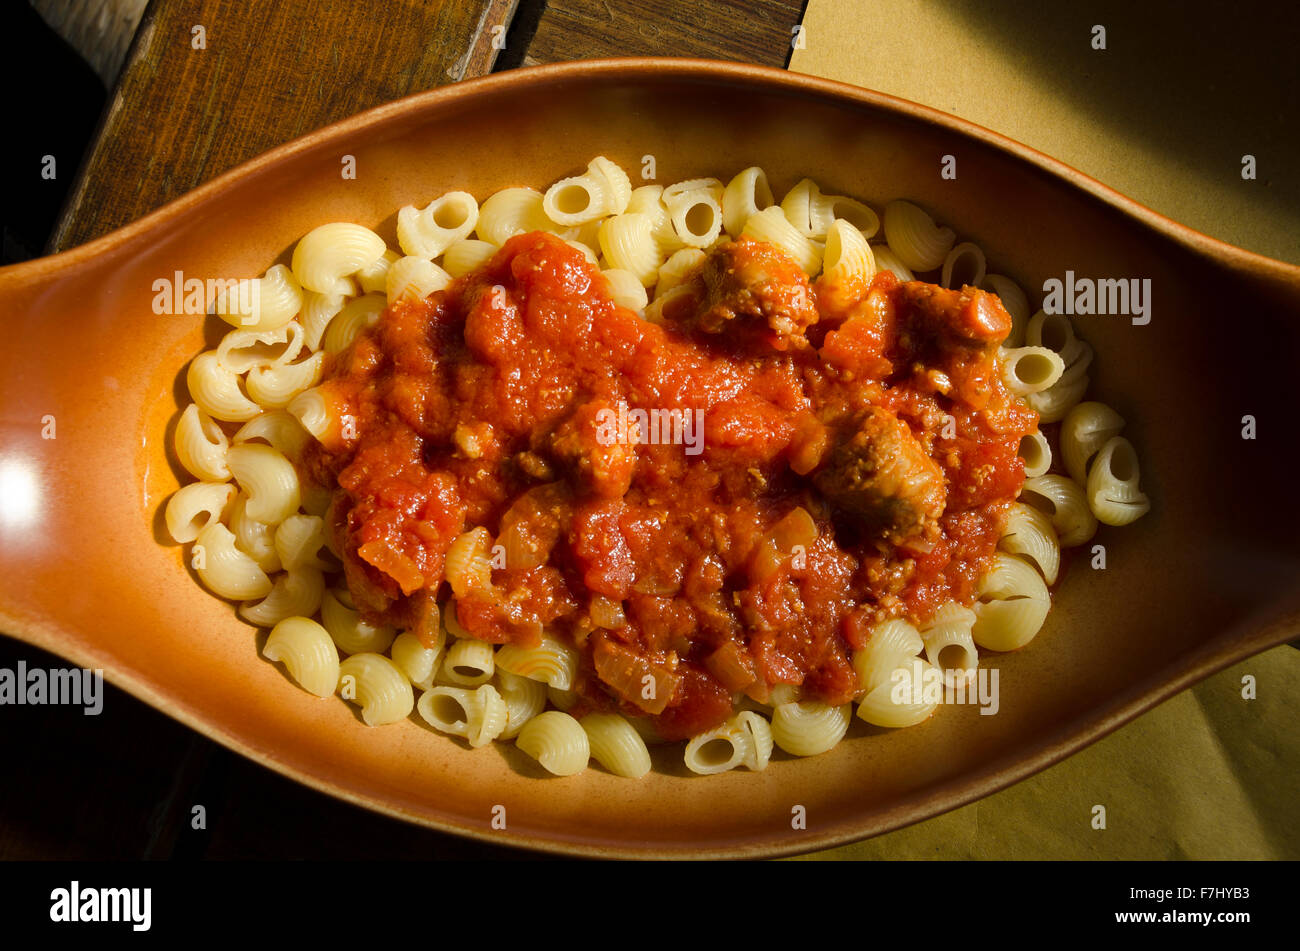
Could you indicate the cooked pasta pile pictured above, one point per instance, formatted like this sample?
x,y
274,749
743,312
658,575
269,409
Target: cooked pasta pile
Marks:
x,y
258,530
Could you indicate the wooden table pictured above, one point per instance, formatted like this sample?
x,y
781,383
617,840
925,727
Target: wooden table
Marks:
x,y
189,105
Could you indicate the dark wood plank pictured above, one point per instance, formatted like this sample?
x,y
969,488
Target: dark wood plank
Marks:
x,y
753,31
269,73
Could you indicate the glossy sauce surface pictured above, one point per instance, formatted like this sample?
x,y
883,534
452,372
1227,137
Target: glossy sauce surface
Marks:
x,y
813,458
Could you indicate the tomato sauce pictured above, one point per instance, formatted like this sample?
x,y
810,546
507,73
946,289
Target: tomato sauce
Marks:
x,y
841,455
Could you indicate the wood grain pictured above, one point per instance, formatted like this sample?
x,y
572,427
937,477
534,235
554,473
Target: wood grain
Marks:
x,y
754,31
269,72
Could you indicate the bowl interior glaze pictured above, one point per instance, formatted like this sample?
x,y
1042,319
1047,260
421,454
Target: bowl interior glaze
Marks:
x,y
1209,576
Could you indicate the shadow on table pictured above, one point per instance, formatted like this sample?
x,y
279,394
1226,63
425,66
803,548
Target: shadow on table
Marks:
x,y
1222,79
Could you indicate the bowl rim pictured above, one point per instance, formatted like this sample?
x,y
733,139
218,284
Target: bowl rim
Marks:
x,y
651,67
1207,659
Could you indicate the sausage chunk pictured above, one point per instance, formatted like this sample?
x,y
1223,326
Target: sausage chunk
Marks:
x,y
880,473
948,340
751,288
968,316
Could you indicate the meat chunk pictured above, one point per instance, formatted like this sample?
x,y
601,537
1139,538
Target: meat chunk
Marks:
x,y
598,453
948,340
880,473
970,315
749,288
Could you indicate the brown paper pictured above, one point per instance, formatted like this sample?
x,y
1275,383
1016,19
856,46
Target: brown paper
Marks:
x,y
1164,114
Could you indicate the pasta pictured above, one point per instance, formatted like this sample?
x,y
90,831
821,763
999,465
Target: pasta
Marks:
x,y
887,260
1013,605
350,632
274,302
299,540
465,255
551,662
224,569
318,310
427,232
218,391
201,446
307,651
468,662
373,278
352,319
330,253
1029,532
414,278
676,269
1113,493
696,216
557,741
808,727
1027,370
745,196
892,644
256,539
825,210
195,507
512,211
914,237
848,257
615,745
417,661
295,593
1085,429
272,412
1063,502
1015,302
900,701
577,200
276,385
524,699
1036,451
965,264
1055,332
278,429
268,479
628,243
375,684
948,639
720,749
771,227
477,715
626,289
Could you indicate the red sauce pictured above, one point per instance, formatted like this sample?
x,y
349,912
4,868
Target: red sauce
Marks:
x,y
876,410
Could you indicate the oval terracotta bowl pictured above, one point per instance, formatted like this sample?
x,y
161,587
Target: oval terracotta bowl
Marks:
x,y
1208,577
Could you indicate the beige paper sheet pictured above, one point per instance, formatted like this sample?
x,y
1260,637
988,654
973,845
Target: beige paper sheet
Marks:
x,y
1164,115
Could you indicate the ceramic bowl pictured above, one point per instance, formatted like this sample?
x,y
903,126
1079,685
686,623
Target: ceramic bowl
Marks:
x,y
1208,577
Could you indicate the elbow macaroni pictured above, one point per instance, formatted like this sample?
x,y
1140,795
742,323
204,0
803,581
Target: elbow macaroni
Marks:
x,y
258,403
